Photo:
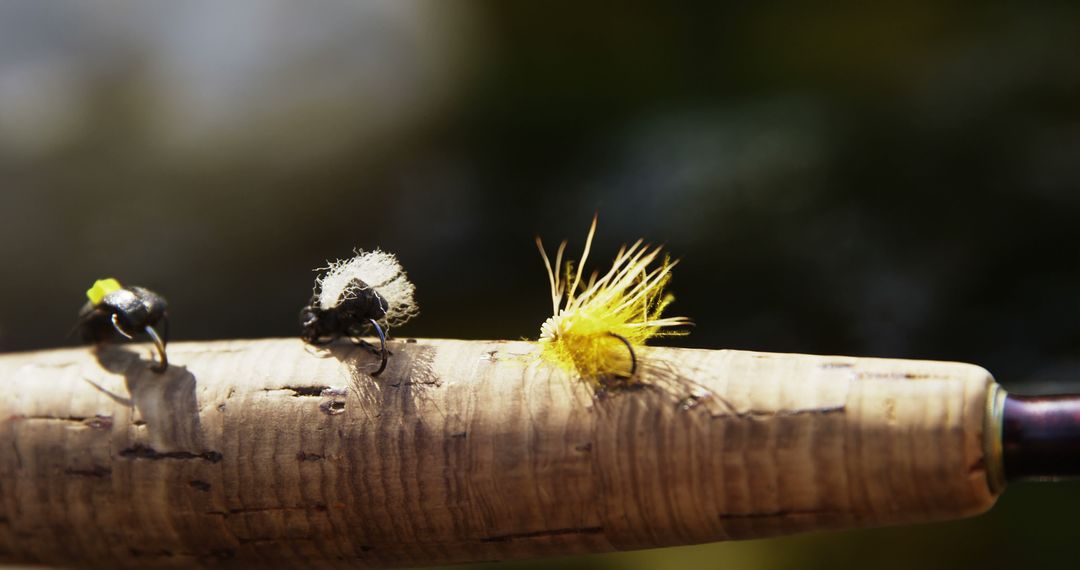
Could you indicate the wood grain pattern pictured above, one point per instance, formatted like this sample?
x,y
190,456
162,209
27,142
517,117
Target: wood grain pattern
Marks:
x,y
276,453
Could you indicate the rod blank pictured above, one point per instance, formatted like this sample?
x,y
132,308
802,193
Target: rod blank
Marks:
x,y
1041,437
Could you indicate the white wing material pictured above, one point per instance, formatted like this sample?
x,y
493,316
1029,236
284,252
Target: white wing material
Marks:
x,y
377,269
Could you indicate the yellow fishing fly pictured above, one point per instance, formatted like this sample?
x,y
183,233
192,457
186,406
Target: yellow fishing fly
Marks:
x,y
593,323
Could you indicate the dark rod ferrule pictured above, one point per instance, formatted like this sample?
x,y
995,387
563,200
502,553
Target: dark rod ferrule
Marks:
x,y
1041,437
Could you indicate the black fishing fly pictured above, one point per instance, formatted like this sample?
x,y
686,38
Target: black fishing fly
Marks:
x,y
113,313
368,291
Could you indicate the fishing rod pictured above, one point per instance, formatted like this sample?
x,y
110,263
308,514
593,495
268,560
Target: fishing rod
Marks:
x,y
276,453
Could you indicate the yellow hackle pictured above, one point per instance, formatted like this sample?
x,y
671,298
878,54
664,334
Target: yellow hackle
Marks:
x,y
627,301
101,288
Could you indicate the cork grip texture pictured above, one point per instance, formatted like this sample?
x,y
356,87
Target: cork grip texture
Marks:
x,y
274,452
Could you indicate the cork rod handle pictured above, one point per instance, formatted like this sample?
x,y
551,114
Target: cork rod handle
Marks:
x,y
272,452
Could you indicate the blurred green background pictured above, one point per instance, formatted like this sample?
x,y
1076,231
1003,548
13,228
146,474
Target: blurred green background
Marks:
x,y
897,179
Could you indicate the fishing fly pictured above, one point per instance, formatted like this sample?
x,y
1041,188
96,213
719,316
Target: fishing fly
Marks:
x,y
113,312
369,290
595,322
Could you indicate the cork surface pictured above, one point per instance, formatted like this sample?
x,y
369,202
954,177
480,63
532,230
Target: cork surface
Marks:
x,y
273,452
